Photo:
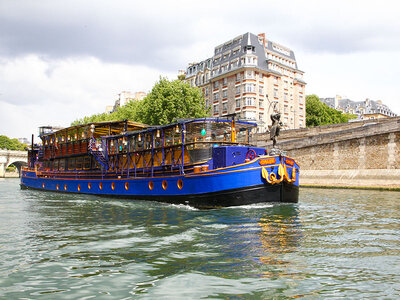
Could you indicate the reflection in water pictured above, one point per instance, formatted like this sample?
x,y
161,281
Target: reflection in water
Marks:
x,y
280,233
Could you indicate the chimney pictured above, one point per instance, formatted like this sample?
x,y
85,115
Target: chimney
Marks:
x,y
262,35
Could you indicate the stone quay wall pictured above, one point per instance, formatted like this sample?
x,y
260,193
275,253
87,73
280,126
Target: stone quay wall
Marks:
x,y
360,154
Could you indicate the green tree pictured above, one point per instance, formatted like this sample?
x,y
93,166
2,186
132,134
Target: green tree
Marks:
x,y
318,113
182,77
169,100
10,144
127,111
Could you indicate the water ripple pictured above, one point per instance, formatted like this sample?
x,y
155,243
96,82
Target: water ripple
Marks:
x,y
333,244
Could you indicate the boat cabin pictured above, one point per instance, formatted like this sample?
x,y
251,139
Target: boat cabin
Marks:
x,y
130,149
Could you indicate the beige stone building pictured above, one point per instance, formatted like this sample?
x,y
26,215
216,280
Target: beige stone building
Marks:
x,y
250,76
123,98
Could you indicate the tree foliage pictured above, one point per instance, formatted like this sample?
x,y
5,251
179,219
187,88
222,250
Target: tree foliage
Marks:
x,y
11,144
318,113
128,111
168,100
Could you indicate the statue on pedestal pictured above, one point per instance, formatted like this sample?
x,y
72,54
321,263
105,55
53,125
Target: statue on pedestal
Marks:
x,y
275,128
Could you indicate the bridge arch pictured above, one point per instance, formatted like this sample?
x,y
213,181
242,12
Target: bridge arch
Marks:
x,y
8,157
18,164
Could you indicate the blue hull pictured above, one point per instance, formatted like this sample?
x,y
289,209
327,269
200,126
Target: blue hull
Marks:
x,y
231,186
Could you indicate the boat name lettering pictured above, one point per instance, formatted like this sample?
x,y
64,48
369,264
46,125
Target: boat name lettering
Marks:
x,y
289,162
267,161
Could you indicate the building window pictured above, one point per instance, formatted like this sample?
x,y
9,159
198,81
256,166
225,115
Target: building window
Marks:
x,y
249,74
275,80
261,90
249,101
276,93
224,93
238,103
261,116
224,107
261,103
238,77
225,81
206,91
216,84
250,115
216,96
250,88
285,96
238,90
216,110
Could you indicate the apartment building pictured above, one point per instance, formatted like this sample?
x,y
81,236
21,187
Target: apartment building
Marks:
x,y
250,75
367,109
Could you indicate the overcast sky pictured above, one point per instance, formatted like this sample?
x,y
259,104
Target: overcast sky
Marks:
x,y
62,60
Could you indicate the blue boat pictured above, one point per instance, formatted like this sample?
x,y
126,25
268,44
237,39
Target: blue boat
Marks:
x,y
204,163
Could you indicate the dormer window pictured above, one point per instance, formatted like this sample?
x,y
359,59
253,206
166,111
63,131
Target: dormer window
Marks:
x,y
249,49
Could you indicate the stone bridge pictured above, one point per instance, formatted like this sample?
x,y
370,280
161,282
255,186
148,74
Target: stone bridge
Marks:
x,y
8,157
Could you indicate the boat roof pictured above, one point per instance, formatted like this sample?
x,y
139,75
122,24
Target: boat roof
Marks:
x,y
100,128
245,124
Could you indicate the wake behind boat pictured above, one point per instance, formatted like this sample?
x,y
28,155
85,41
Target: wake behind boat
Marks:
x,y
204,163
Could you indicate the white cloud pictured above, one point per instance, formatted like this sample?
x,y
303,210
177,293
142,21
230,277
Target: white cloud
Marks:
x,y
62,60
357,76
57,92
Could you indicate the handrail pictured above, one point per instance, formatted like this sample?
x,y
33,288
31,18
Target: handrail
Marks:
x,y
99,154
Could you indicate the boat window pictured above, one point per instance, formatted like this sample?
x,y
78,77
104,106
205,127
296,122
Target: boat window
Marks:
x,y
148,141
242,136
177,135
55,165
61,165
194,132
168,137
79,163
132,141
86,163
140,142
158,140
71,164
120,146
112,147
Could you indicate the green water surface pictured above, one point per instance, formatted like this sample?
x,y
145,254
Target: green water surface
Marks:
x,y
336,244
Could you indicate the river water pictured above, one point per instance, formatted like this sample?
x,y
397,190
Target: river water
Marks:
x,y
337,244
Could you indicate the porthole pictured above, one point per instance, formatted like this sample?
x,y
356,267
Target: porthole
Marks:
x,y
58,187
164,184
127,185
113,186
151,185
65,187
101,185
43,185
79,187
89,185
180,184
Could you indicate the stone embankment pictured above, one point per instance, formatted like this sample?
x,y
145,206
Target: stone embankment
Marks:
x,y
362,154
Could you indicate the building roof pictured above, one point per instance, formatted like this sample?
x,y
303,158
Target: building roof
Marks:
x,y
359,107
236,49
